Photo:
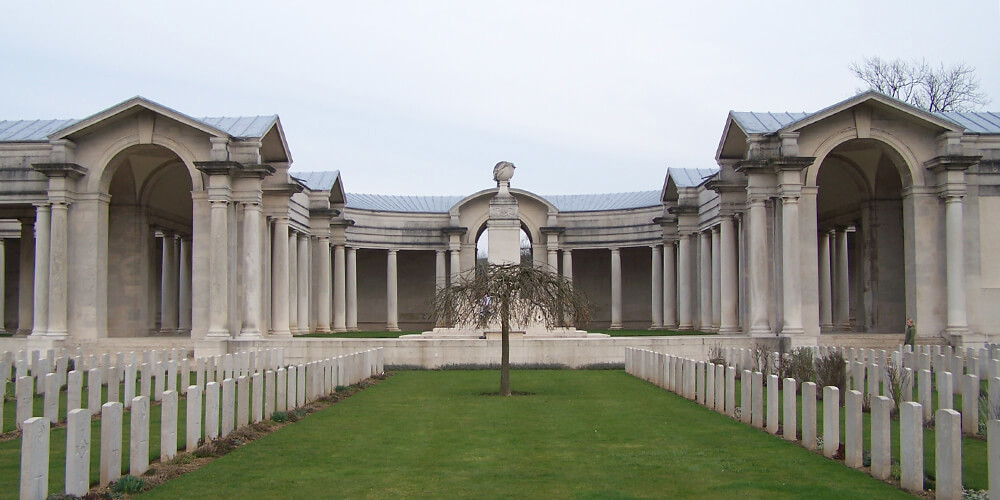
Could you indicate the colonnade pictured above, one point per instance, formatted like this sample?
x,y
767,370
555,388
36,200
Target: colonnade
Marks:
x,y
834,280
175,282
695,284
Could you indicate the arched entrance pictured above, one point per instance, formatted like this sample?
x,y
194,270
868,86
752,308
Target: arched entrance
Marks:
x,y
149,243
860,211
482,246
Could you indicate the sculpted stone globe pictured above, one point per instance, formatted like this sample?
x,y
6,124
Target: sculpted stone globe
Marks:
x,y
503,171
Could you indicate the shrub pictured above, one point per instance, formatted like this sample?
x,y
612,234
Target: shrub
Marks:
x,y
717,355
279,416
340,388
129,485
798,364
831,371
761,355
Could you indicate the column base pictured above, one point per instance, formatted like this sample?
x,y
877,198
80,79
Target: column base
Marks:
x,y
656,327
281,333
218,335
615,327
57,336
792,331
22,332
353,329
336,330
392,328
761,331
250,335
729,330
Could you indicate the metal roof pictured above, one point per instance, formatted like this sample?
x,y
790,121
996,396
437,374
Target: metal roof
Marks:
x,y
689,177
753,122
39,130
977,123
317,181
401,203
604,201
30,130
241,126
564,203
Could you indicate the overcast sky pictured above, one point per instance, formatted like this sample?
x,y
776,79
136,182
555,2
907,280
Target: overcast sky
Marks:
x,y
425,97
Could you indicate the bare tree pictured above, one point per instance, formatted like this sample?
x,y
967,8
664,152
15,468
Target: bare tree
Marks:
x,y
509,294
954,88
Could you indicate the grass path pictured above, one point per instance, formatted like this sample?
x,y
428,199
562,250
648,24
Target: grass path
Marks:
x,y
583,434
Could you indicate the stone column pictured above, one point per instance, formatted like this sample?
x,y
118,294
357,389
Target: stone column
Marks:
x,y
553,259
825,290
303,283
218,297
440,271
955,269
705,281
279,279
184,287
616,289
567,270
669,285
168,285
728,277
26,281
684,282
792,288
323,288
657,284
41,308
456,263
252,282
352,289
758,267
392,307
58,270
716,278
340,288
293,282
842,316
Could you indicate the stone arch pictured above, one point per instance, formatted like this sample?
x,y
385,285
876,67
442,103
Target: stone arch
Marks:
x,y
911,174
99,181
860,185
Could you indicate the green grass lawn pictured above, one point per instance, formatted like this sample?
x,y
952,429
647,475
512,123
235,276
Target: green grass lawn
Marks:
x,y
582,434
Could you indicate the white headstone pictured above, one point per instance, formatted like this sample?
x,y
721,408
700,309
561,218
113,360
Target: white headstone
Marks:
x,y
146,380
139,437
228,406
924,392
292,381
159,380
788,424
993,450
745,397
77,451
731,391
948,454
35,458
881,438
281,388
911,446
128,385
853,429
51,408
192,425
258,397
111,442
970,404
211,411
757,395
831,421
168,425
772,404
74,390
25,393
112,383
269,385
242,401
300,385
944,386
94,391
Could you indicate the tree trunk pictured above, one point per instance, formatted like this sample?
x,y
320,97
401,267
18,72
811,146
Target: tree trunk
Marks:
x,y
505,348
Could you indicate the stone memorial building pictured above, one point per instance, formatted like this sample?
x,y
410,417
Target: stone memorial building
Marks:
x,y
143,221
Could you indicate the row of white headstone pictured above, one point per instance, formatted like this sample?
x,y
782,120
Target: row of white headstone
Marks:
x,y
158,372
213,411
714,385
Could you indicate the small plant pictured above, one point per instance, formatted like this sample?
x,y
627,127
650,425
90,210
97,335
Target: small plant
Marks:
x,y
896,379
340,388
798,364
279,416
128,485
761,355
987,412
717,355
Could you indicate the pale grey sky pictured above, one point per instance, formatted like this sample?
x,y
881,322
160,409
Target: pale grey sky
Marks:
x,y
425,97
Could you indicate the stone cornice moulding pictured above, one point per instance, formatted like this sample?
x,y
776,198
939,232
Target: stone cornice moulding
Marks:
x,y
223,167
52,170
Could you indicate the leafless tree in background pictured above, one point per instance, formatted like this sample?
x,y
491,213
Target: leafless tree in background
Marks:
x,y
954,88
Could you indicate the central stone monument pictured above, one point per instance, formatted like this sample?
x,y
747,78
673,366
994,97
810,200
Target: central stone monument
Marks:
x,y
503,229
